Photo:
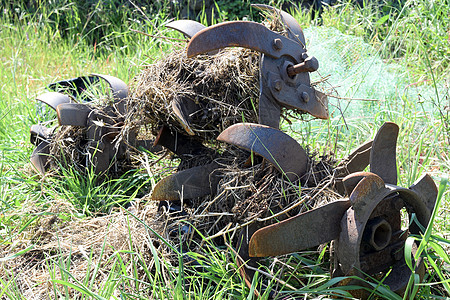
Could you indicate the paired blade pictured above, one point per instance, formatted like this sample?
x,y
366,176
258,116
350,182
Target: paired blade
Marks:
x,y
304,231
322,224
74,114
40,155
274,145
246,34
183,108
383,159
187,27
187,184
53,99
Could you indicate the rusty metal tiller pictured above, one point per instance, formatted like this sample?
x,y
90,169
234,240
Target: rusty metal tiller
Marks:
x,y
284,68
101,125
366,227
284,82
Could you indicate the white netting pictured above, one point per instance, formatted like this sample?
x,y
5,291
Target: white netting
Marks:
x,y
357,71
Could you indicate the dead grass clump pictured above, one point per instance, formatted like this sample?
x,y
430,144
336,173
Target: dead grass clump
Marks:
x,y
250,194
88,247
223,89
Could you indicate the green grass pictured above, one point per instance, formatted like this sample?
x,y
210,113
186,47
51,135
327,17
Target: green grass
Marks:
x,y
36,50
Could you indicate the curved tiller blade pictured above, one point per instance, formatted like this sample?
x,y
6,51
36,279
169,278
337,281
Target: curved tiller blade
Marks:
x,y
76,86
246,34
274,145
187,184
187,27
383,154
53,99
74,114
40,155
118,87
183,107
39,133
359,159
426,188
119,91
301,232
294,30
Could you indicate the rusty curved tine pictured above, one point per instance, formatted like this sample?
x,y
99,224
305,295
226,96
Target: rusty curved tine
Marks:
x,y
40,155
244,34
74,114
118,87
383,159
119,91
39,133
187,184
359,159
269,111
183,108
178,143
291,159
187,27
294,30
74,86
99,155
53,99
426,188
304,231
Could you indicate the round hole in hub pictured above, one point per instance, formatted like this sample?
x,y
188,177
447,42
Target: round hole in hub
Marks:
x,y
381,234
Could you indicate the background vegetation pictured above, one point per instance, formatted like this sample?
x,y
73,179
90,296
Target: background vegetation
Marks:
x,y
45,41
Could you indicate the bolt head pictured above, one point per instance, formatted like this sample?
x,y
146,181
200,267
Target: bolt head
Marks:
x,y
305,97
277,44
278,85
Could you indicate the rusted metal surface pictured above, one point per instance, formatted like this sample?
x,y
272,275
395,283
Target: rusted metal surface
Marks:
x,y
425,187
101,126
366,228
371,237
359,159
310,64
183,109
350,181
187,184
53,99
178,143
274,145
73,114
187,27
39,156
285,65
244,34
39,133
304,231
383,155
